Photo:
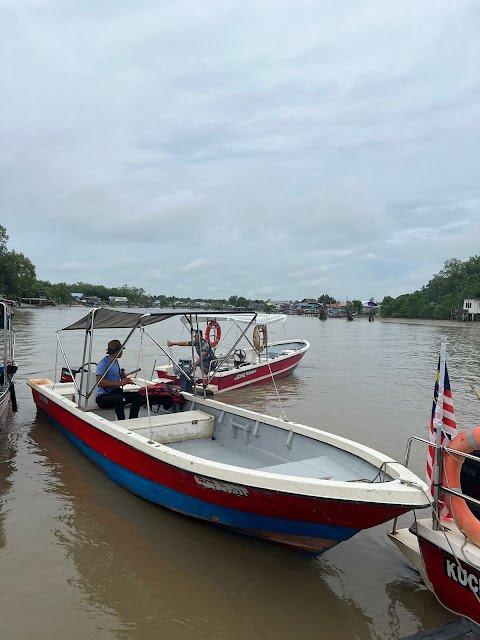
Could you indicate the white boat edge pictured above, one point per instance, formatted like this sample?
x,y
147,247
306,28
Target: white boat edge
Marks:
x,y
404,489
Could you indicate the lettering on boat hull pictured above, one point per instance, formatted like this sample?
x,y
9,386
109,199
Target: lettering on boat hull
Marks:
x,y
216,485
460,575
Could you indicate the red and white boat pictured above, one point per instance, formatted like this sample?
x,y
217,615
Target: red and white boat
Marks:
x,y
447,559
445,548
244,354
257,475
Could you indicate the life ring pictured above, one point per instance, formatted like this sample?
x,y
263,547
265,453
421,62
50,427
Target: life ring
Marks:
x,y
465,442
260,329
213,325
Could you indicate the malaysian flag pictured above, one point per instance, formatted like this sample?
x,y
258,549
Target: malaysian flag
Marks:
x,y
443,419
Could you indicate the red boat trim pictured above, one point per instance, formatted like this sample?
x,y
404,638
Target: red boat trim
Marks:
x,y
268,502
456,587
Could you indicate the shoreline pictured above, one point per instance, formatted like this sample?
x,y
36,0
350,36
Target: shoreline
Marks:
x,y
429,321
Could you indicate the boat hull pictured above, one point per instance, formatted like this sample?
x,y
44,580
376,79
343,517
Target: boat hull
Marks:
x,y
256,374
249,374
4,405
311,524
456,587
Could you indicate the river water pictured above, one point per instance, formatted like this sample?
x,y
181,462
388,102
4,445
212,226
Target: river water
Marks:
x,y
82,558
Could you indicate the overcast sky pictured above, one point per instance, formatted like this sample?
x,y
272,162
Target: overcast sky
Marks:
x,y
269,149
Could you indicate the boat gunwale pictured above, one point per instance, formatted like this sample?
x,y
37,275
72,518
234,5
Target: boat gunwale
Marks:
x,y
457,539
401,490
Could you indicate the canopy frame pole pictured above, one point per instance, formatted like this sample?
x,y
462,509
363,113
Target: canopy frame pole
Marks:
x,y
165,353
232,349
242,334
89,341
65,359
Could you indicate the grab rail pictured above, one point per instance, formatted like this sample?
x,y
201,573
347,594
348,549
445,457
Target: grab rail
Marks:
x,y
443,488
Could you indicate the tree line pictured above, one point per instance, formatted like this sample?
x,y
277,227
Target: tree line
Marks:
x,y
17,272
18,280
442,297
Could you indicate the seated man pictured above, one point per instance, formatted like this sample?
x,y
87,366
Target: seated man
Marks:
x,y
202,347
110,393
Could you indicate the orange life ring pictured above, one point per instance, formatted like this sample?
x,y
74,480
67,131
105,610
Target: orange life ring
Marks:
x,y
465,442
213,325
260,346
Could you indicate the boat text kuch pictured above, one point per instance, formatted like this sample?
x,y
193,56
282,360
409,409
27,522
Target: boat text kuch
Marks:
x,y
462,576
221,486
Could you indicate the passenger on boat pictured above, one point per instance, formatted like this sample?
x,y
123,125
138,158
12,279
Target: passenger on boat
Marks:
x,y
204,351
110,393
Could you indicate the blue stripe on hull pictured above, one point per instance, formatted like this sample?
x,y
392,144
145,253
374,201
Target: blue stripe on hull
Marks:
x,y
244,522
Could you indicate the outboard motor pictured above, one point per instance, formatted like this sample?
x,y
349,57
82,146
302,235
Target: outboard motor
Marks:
x,y
186,367
239,356
65,375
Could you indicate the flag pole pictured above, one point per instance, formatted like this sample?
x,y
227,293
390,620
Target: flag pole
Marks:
x,y
438,422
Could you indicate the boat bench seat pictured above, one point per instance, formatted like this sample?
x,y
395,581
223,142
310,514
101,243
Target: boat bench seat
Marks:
x,y
309,468
172,427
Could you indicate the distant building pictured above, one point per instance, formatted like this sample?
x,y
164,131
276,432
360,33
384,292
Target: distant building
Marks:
x,y
280,305
368,305
118,300
87,301
307,306
91,301
41,301
337,310
471,309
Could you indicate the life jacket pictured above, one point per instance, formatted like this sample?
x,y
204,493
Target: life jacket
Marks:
x,y
161,395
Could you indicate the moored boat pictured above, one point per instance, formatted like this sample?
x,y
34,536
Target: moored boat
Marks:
x,y
445,548
240,359
7,362
288,483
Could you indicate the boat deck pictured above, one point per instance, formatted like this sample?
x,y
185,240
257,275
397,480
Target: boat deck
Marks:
x,y
190,431
346,468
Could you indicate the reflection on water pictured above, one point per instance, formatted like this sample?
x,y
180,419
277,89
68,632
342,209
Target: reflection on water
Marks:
x,y
143,564
86,558
6,472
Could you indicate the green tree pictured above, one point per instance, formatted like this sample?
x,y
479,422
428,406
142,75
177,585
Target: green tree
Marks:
x,y
356,306
242,303
326,299
17,273
442,295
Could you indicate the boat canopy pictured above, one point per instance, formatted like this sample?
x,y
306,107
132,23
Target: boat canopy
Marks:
x,y
245,318
100,318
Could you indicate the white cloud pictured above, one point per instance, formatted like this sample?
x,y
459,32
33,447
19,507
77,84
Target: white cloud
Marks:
x,y
264,149
196,265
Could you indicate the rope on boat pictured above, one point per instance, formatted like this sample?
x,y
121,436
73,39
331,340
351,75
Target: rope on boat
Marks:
x,y
382,469
283,415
